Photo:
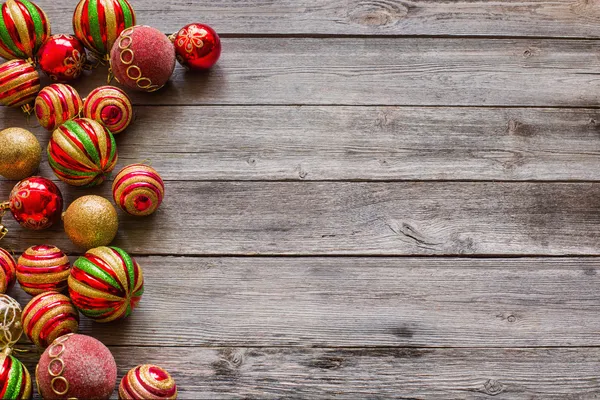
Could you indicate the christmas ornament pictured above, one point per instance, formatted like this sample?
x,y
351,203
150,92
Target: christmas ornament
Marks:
x,y
43,269
24,28
98,23
147,382
20,153
198,46
82,152
109,106
62,58
106,284
19,84
35,203
48,316
8,271
56,104
142,58
138,190
10,322
15,381
76,366
91,221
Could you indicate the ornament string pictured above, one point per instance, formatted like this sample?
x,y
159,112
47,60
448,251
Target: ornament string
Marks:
x,y
3,207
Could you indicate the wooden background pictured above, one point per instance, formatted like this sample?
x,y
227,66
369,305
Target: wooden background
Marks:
x,y
366,199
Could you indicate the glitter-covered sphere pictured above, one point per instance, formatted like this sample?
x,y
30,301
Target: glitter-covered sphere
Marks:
x,y
43,268
24,28
8,271
15,380
76,367
109,106
56,104
10,322
48,316
19,84
62,58
147,382
198,46
20,153
82,152
138,189
106,284
36,203
91,221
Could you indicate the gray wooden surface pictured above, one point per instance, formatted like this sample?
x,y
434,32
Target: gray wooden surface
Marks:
x,y
365,199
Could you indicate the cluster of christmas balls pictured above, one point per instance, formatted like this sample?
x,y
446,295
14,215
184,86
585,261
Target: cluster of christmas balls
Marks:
x,y
105,284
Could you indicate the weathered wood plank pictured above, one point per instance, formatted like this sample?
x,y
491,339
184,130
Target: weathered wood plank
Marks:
x,y
355,218
559,18
359,143
359,302
275,373
365,71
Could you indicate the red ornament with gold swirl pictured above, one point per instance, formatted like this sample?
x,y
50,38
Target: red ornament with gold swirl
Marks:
x,y
110,106
56,104
62,58
48,316
8,271
198,46
19,84
24,28
43,268
138,190
147,382
106,284
35,203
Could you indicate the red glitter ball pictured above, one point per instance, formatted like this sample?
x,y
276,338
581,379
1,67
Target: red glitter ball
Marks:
x,y
198,46
36,203
62,58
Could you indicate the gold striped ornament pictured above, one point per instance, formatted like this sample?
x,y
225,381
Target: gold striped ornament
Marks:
x,y
56,104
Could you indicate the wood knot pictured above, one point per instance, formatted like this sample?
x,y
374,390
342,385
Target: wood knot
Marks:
x,y
517,128
377,13
531,52
492,387
510,318
229,362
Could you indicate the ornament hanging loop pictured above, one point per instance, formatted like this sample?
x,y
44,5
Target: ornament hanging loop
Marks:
x,y
3,207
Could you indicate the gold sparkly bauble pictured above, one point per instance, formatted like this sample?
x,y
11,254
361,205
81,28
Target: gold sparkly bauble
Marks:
x,y
20,153
10,322
91,221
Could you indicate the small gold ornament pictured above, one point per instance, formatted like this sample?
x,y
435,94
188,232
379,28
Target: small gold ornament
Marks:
x,y
20,153
91,221
10,322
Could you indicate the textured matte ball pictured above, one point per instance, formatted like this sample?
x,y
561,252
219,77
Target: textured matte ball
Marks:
x,y
10,322
82,152
91,221
106,284
109,106
143,58
24,28
62,58
147,382
76,366
48,316
56,104
20,153
8,271
198,46
138,190
36,203
15,380
43,269
19,84
98,23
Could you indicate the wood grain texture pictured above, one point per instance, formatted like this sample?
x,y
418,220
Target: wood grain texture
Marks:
x,y
380,71
359,143
301,373
558,18
355,302
237,218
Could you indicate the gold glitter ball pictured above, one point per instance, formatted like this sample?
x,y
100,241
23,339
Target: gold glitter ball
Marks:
x,y
91,221
20,153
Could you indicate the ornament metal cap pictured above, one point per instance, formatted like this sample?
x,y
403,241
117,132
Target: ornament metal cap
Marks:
x,y
3,207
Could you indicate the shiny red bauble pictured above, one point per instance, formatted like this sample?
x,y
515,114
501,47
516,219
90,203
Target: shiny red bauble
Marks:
x,y
62,58
198,46
36,203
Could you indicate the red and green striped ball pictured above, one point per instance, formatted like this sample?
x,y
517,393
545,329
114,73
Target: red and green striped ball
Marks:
x,y
138,190
42,269
82,152
106,284
56,104
15,381
19,83
98,23
48,316
8,271
24,28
